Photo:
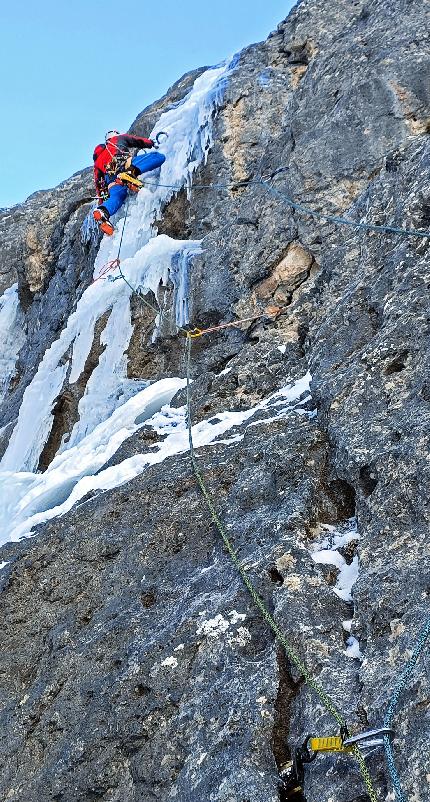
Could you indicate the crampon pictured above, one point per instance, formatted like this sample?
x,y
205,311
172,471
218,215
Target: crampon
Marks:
x,y
103,223
129,181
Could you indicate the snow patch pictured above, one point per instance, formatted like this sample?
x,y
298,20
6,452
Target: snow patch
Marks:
x,y
353,649
213,627
27,499
169,662
326,553
235,617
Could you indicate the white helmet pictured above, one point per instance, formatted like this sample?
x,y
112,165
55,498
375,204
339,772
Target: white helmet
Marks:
x,y
110,134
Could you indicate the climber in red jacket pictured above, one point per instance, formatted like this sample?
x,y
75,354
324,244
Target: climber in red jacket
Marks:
x,y
116,170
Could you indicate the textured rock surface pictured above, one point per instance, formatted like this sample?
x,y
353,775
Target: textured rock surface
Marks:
x,y
133,664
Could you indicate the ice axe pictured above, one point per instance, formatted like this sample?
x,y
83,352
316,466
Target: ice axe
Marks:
x,y
159,138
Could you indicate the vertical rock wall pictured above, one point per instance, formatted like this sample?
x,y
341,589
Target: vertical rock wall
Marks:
x,y
134,665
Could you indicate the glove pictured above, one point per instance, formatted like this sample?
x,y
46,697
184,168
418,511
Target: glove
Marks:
x,y
149,143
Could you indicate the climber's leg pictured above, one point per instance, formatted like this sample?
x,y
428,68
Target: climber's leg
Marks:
x,y
117,196
147,162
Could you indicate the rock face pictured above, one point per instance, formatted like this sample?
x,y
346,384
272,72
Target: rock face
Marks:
x,y
134,665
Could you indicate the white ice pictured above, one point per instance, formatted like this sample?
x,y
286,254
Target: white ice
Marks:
x,y
28,496
147,260
12,336
28,500
114,407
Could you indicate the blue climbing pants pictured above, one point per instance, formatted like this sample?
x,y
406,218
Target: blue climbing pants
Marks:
x,y
118,193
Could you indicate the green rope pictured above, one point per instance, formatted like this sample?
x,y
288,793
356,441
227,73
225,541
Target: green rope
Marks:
x,y
295,659
279,635
157,310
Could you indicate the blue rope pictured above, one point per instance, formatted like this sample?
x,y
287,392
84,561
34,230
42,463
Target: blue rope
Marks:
x,y
299,207
401,684
406,232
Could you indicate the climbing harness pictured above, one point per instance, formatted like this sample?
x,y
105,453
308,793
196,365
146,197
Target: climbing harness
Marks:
x,y
121,156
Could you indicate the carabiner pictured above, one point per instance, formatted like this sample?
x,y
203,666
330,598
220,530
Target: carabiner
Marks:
x,y
370,738
193,333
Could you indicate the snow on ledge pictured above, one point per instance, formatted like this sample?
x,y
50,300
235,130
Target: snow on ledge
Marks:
x,y
27,500
326,553
353,649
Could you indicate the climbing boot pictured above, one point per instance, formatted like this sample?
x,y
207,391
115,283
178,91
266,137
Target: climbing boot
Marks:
x,y
101,216
129,180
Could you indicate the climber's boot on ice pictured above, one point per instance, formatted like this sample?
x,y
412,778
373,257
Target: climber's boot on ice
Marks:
x,y
101,216
129,179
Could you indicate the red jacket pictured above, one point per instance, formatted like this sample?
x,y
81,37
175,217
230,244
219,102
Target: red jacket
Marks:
x,y
103,155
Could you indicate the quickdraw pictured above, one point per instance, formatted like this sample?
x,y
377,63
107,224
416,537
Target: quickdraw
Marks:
x,y
293,773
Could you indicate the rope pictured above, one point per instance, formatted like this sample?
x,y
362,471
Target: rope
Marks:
x,y
401,684
106,269
117,263
231,186
301,208
327,703
194,333
279,635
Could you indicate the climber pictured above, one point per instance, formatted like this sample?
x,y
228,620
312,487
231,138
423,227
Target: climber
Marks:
x,y
116,169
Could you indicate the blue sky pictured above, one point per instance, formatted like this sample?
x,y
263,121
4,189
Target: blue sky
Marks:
x,y
71,71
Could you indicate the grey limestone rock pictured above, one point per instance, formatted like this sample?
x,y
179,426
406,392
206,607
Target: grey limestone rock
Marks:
x,y
134,665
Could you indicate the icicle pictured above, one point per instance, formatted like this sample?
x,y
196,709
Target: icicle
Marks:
x,y
145,259
12,336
